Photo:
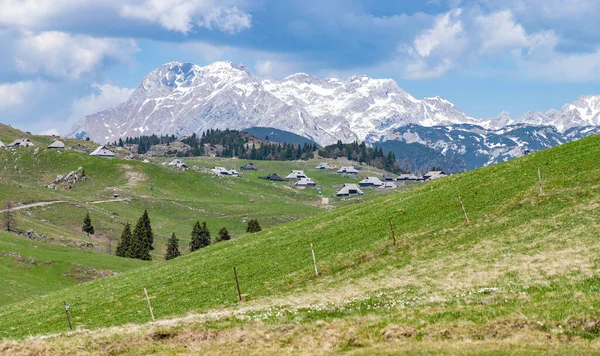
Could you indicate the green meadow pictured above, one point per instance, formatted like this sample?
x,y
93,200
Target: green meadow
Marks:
x,y
522,276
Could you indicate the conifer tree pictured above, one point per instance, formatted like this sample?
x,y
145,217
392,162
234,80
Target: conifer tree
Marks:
x,y
223,235
149,233
123,246
253,226
139,246
172,248
195,242
88,228
200,236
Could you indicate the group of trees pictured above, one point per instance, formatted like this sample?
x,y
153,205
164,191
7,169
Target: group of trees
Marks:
x,y
253,226
201,238
145,142
236,143
139,243
360,152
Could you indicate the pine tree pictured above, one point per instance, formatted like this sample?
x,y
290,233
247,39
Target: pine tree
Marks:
x,y
195,242
123,246
200,236
223,235
139,246
9,221
88,228
253,226
172,248
205,236
149,233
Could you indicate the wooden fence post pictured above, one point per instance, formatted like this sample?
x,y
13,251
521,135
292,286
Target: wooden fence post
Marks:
x,y
314,259
68,316
237,284
540,181
148,301
393,232
463,209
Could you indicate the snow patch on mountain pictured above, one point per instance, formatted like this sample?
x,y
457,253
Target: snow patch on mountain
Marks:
x,y
183,98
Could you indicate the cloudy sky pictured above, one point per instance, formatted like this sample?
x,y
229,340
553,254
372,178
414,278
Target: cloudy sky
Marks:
x,y
64,59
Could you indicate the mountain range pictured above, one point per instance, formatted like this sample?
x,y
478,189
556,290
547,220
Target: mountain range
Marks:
x,y
183,98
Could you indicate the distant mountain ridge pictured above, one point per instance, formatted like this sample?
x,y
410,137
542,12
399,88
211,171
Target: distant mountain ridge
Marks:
x,y
183,98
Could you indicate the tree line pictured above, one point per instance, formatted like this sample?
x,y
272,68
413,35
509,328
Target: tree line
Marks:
x,y
145,142
236,143
360,152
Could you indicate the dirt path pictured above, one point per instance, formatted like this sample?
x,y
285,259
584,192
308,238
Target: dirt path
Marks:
x,y
46,203
109,201
33,205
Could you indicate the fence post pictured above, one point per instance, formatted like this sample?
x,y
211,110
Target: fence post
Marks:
x,y
237,284
314,259
149,306
463,209
68,316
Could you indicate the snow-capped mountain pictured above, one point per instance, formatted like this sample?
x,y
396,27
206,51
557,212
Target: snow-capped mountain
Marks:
x,y
583,112
183,98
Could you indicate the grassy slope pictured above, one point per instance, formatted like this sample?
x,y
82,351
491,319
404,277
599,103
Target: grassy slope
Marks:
x,y
175,202
57,267
537,250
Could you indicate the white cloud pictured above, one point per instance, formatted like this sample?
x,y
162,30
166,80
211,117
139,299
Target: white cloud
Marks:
x,y
104,97
573,67
173,15
31,13
435,51
446,32
464,40
61,55
15,94
230,20
183,15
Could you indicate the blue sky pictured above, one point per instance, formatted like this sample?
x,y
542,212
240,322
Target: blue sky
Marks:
x,y
63,60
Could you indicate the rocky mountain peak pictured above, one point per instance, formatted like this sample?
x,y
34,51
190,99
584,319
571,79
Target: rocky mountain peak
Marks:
x,y
183,98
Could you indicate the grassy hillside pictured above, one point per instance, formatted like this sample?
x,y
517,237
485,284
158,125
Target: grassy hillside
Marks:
x,y
507,274
174,199
30,268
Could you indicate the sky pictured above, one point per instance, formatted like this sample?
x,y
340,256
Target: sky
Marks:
x,y
62,60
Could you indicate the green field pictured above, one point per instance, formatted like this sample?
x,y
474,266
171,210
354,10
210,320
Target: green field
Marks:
x,y
174,199
30,268
522,276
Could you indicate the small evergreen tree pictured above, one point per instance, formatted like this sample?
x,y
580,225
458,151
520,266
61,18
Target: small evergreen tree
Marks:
x,y
172,248
253,226
139,246
149,233
200,236
88,228
223,235
9,220
123,246
195,242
